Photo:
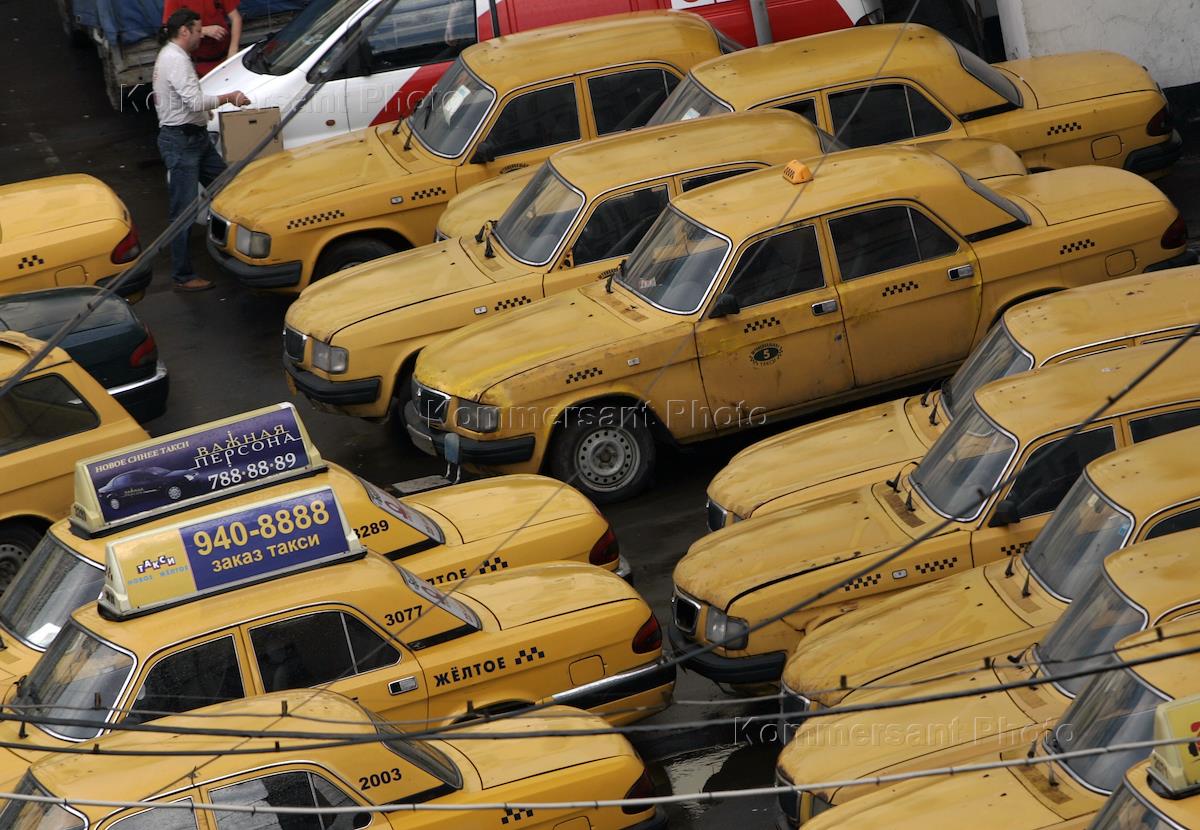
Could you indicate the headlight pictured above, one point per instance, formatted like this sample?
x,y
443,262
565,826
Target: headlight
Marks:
x,y
328,358
252,243
477,417
731,632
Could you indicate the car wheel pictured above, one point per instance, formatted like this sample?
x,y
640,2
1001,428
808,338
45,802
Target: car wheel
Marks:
x,y
400,398
174,492
115,504
608,459
350,252
17,541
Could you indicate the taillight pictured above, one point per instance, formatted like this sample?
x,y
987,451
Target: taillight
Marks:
x,y
128,249
606,550
145,354
870,17
649,636
1160,124
642,788
1176,235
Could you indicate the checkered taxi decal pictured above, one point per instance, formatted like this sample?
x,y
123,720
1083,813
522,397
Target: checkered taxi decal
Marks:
x,y
315,219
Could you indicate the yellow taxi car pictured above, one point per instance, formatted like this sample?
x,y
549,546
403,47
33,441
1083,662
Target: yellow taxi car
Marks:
x,y
54,415
443,535
267,595
66,230
1141,492
1017,430
1056,111
1118,706
849,450
274,769
889,268
1146,586
503,105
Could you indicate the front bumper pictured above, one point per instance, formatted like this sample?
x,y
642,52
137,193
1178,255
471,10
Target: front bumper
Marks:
x,y
620,686
333,392
1188,257
1158,157
470,450
760,668
284,275
145,399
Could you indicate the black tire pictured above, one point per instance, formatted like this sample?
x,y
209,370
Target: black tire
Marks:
x,y
17,541
402,394
607,453
347,253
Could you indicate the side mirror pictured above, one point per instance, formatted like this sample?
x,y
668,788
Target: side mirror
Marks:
x,y
485,153
568,259
725,305
1006,514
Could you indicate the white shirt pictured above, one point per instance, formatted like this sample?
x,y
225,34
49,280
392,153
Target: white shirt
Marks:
x,y
177,95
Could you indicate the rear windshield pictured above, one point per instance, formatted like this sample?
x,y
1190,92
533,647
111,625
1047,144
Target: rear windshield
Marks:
x,y
988,75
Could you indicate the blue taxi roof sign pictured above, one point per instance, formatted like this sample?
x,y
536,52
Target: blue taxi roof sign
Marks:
x,y
224,550
1177,766
190,467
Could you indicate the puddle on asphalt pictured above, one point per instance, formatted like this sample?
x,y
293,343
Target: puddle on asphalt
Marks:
x,y
728,767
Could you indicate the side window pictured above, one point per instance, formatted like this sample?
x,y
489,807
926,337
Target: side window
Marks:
x,y
315,649
616,226
885,238
198,676
888,112
1152,426
1187,520
41,410
158,819
283,789
805,106
421,32
541,118
625,100
1052,468
708,178
778,266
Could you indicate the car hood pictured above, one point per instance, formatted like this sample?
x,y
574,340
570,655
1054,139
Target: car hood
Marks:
x,y
384,285
1081,76
466,212
468,362
540,592
1079,192
493,506
43,206
818,453
762,551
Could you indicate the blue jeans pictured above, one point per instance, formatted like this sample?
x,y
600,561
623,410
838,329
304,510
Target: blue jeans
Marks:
x,y
191,159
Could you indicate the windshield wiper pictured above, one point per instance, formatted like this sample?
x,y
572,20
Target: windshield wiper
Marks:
x,y
485,236
608,282
427,104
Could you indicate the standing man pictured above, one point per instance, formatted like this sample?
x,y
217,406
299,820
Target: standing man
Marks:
x,y
221,25
183,141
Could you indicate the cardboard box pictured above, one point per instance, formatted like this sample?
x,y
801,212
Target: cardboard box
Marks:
x,y
241,130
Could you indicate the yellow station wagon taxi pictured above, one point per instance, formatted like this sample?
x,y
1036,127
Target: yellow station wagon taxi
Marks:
x,y
277,594
1017,430
66,230
1145,586
275,769
1118,706
764,296
1141,492
503,105
849,450
1163,791
1056,111
53,416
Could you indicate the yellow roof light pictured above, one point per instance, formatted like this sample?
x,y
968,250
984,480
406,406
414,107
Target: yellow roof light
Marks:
x,y
190,467
1177,766
226,550
797,172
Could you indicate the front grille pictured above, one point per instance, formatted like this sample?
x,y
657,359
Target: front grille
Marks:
x,y
716,515
686,612
431,404
293,344
218,229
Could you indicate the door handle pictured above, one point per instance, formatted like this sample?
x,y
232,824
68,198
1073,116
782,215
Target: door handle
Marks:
x,y
962,272
404,684
824,307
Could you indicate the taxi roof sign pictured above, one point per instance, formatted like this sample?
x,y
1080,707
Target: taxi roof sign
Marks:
x,y
190,467
797,172
225,550
1177,766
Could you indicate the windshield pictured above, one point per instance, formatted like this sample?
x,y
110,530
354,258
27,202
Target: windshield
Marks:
x,y
1070,549
1125,811
292,44
449,115
1115,707
675,263
538,219
997,356
30,815
689,100
420,753
1083,637
52,583
418,521
963,465
988,75
444,601
75,672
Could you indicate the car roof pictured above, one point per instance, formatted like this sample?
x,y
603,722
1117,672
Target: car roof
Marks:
x,y
774,136
17,348
752,76
40,313
677,38
1106,311
1064,394
745,205
1176,676
1159,574
1150,476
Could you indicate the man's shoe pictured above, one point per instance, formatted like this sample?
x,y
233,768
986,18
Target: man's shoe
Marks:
x,y
194,284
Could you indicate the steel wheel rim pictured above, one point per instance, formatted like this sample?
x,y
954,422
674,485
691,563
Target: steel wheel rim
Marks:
x,y
174,492
11,557
607,459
